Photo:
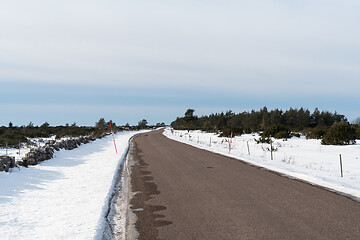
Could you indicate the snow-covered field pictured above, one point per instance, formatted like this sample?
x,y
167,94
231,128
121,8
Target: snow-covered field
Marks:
x,y
62,198
297,157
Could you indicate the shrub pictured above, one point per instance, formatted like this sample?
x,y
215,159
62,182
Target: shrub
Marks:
x,y
316,133
340,134
227,132
277,131
296,135
262,139
247,130
282,134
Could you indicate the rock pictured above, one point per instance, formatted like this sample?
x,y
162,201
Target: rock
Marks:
x,y
47,152
6,162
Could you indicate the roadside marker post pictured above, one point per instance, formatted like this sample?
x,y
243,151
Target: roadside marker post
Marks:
x,y
271,149
341,168
113,137
230,141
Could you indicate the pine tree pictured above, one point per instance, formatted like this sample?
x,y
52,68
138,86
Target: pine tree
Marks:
x,y
340,134
101,124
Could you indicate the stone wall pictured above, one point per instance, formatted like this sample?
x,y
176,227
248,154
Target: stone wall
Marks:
x,y
6,162
46,152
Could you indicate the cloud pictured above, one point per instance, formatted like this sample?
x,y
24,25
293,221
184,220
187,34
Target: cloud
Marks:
x,y
237,46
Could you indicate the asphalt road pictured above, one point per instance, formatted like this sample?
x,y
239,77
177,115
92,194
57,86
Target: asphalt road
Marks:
x,y
188,193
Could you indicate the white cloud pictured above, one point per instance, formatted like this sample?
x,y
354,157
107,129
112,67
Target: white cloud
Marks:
x,y
248,45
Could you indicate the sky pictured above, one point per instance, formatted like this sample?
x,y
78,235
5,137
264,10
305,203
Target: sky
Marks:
x,y
77,61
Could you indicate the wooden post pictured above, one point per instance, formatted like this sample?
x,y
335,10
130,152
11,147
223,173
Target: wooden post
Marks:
x,y
247,142
19,147
198,139
271,149
6,149
230,142
341,168
210,141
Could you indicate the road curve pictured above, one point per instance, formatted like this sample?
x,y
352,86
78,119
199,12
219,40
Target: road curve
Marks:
x,y
188,193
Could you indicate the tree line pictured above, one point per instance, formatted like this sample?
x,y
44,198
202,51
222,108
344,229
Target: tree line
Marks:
x,y
274,123
13,135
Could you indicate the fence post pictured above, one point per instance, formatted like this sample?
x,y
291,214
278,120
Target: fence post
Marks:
x,y
341,168
6,148
19,147
271,149
210,142
247,142
230,142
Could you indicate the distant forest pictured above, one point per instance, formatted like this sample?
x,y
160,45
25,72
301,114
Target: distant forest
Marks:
x,y
275,123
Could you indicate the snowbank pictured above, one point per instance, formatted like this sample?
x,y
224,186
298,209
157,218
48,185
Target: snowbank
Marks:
x,y
299,158
62,198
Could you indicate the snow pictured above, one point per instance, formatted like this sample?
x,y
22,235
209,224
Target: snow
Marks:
x,y
25,148
65,197
298,158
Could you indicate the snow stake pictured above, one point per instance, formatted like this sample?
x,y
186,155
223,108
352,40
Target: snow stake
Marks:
x,y
113,137
341,168
230,141
271,149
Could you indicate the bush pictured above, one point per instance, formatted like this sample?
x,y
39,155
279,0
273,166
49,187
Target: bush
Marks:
x,y
357,129
227,132
262,139
277,131
296,135
340,134
282,134
317,133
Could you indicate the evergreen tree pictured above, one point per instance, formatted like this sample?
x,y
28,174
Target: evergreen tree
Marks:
x,y
340,134
45,125
189,114
101,124
142,124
